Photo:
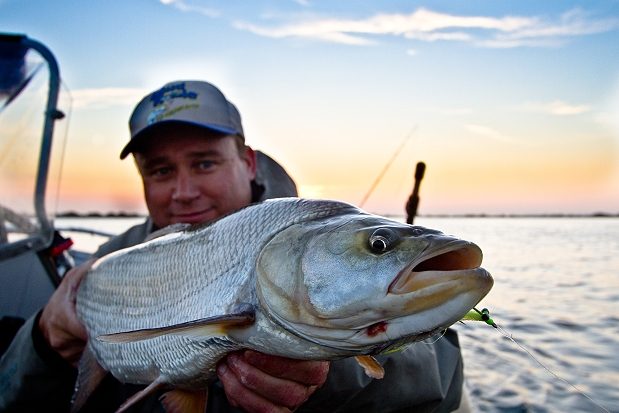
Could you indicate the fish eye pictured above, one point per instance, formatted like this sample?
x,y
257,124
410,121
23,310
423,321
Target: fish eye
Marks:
x,y
382,240
379,244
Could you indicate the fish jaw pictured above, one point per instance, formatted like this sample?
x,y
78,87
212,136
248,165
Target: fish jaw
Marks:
x,y
448,260
441,275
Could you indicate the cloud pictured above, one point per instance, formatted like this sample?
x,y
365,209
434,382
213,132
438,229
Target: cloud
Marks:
x,y
430,26
571,24
326,30
185,7
489,132
556,107
106,97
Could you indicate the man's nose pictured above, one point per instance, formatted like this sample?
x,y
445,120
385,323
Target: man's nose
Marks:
x,y
185,188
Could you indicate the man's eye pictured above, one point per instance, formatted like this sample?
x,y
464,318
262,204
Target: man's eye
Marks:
x,y
205,165
163,171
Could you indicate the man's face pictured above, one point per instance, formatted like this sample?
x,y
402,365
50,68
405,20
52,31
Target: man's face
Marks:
x,y
191,176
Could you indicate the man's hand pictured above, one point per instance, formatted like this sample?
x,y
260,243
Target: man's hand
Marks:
x,y
259,382
59,323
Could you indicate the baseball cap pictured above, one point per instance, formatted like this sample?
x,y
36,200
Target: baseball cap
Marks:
x,y
191,102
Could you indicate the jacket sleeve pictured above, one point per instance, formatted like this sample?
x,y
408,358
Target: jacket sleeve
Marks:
x,y
32,376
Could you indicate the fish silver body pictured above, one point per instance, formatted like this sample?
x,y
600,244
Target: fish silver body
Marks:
x,y
321,279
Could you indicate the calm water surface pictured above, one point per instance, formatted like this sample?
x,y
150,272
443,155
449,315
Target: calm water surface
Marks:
x,y
556,292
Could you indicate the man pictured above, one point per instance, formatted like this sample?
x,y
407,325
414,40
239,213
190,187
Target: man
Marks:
x,y
188,144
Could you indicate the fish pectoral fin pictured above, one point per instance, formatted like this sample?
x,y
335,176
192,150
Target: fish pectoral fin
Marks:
x,y
371,366
217,326
151,388
89,375
181,401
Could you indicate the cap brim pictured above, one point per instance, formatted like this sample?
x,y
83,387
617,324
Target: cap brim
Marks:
x,y
139,139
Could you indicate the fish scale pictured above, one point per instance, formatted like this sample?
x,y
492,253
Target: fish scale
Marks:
x,y
291,277
169,283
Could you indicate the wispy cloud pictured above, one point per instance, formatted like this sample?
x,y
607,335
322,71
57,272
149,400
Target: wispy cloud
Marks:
x,y
573,23
326,30
184,6
106,97
556,107
429,26
489,132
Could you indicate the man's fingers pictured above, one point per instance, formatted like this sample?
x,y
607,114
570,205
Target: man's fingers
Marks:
x,y
239,395
73,279
308,372
59,323
279,391
75,275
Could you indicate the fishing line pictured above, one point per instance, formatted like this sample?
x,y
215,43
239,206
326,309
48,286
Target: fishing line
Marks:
x,y
438,338
387,165
64,144
484,315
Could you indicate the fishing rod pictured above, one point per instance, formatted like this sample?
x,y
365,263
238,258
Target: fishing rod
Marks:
x,y
387,165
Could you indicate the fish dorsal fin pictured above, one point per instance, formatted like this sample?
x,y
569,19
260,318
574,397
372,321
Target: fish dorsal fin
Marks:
x,y
167,230
89,375
371,367
184,401
206,327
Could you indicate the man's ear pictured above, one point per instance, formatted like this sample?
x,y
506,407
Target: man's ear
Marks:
x,y
249,157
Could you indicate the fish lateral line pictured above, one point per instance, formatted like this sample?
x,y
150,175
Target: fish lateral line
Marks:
x,y
203,328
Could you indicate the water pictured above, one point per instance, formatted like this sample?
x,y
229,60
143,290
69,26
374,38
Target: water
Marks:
x,y
556,291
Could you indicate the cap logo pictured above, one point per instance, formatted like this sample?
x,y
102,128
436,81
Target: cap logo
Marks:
x,y
161,97
171,92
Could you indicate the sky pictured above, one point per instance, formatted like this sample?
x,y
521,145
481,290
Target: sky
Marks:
x,y
512,105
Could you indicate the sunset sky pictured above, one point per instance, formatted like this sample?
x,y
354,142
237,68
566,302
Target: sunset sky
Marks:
x,y
513,105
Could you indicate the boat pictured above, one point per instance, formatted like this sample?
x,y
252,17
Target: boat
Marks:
x,y
33,254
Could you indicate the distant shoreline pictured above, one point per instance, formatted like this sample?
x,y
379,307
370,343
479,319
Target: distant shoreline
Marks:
x,y
548,215
72,214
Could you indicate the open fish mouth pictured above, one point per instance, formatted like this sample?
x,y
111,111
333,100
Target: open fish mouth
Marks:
x,y
447,263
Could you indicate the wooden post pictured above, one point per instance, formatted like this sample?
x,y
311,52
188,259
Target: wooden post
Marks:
x,y
413,200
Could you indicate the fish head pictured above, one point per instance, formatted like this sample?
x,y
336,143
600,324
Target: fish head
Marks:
x,y
364,284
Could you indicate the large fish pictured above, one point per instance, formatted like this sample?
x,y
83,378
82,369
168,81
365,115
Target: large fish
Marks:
x,y
306,279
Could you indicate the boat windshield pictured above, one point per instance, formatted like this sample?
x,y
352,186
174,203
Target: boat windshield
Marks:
x,y
24,88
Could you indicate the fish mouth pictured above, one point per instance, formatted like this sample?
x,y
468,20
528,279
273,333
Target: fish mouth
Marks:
x,y
447,263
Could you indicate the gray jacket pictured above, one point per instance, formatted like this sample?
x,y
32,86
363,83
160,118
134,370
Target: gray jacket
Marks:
x,y
426,377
